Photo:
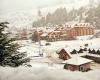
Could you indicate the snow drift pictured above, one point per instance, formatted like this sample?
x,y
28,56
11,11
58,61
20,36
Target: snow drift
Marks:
x,y
33,73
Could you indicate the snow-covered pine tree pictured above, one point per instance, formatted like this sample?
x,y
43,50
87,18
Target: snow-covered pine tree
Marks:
x,y
9,55
35,36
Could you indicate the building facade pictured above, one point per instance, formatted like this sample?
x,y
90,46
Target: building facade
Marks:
x,y
82,30
69,32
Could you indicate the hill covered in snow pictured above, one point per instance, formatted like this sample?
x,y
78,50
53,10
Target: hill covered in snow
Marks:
x,y
25,18
74,9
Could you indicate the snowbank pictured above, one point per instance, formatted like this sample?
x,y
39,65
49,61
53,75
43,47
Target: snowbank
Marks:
x,y
33,73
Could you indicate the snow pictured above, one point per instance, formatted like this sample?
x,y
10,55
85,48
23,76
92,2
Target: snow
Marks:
x,y
25,18
47,68
29,48
20,19
42,60
77,61
43,73
44,34
84,37
76,44
51,60
32,49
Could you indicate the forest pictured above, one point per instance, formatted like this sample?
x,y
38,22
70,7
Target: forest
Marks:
x,y
62,16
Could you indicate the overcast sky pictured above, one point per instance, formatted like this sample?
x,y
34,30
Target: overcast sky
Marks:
x,y
16,5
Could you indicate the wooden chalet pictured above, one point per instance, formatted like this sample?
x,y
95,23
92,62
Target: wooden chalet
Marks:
x,y
63,54
77,64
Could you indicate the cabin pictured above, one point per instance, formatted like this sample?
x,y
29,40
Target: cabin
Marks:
x,y
78,64
63,54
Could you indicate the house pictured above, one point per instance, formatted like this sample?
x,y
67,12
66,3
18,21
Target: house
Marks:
x,y
77,64
63,54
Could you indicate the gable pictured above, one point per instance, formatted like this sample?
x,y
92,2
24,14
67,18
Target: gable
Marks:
x,y
63,53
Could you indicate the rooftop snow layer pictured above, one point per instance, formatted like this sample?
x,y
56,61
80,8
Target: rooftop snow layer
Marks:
x,y
77,61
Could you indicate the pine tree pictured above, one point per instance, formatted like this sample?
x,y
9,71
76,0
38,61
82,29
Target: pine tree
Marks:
x,y
39,13
35,36
9,54
74,52
80,51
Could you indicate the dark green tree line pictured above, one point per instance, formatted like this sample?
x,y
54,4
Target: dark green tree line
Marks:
x,y
9,54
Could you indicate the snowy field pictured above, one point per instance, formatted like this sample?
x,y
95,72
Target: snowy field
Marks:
x,y
43,69
43,73
32,49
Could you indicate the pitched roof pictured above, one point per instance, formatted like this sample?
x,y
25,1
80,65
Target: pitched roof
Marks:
x,y
44,34
77,61
67,51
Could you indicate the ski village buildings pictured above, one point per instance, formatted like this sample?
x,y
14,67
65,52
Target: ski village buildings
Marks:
x,y
72,62
70,32
69,61
67,32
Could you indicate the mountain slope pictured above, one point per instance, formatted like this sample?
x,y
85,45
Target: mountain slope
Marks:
x,y
26,18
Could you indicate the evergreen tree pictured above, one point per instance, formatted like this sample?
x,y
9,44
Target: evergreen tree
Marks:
x,y
80,51
74,52
89,50
35,36
93,51
98,52
9,54
39,13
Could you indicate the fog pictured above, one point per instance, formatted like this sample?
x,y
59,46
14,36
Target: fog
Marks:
x,y
33,73
18,5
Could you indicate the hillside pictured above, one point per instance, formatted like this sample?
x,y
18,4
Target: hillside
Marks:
x,y
25,18
62,15
57,14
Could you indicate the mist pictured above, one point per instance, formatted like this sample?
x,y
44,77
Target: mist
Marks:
x,y
18,5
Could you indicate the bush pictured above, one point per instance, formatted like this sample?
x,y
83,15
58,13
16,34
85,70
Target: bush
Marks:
x,y
47,44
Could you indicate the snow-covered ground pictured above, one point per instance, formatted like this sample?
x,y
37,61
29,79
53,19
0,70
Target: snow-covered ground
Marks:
x,y
43,73
84,37
74,44
43,68
32,49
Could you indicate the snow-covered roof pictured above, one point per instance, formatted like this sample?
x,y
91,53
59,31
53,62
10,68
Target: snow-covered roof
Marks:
x,y
44,34
77,24
66,49
77,61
